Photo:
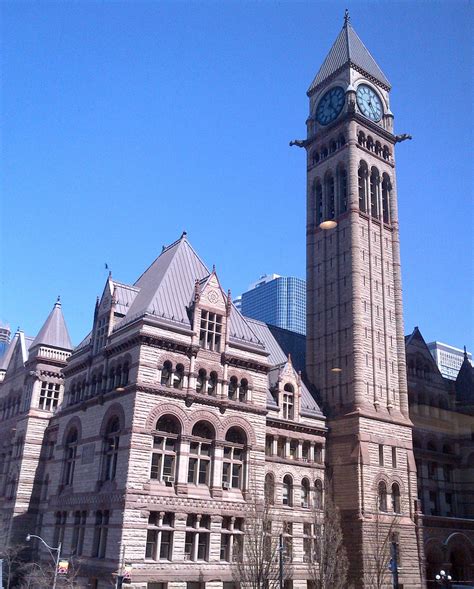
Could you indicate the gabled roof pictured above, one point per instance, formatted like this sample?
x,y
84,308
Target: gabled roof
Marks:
x,y
465,383
17,352
54,332
348,50
415,342
124,295
166,289
279,360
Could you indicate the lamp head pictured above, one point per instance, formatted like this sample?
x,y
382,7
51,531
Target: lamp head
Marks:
x,y
442,573
28,538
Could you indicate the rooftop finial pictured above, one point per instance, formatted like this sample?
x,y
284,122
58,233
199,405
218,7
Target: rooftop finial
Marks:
x,y
184,234
58,301
347,18
465,354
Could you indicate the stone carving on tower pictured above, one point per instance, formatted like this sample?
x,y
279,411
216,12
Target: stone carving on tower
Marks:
x,y
355,338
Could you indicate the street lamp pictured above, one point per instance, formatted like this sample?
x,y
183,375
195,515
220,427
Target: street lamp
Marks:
x,y
55,558
444,579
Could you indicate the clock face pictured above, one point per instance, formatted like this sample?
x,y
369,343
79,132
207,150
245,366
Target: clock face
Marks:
x,y
369,103
330,105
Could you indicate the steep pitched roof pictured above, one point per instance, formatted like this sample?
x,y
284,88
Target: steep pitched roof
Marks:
x,y
465,383
17,352
166,289
54,332
348,50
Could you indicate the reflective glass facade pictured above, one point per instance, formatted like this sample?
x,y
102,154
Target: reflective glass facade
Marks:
x,y
280,302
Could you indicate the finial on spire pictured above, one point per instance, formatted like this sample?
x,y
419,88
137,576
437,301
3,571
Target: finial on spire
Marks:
x,y
183,235
465,354
58,301
347,18
213,267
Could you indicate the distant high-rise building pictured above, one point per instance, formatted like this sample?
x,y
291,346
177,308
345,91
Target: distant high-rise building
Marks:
x,y
277,300
4,338
448,358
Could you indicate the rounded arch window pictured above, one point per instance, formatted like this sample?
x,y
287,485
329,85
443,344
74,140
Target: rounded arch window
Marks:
x,y
201,380
362,175
287,496
396,505
305,491
178,376
374,188
318,494
386,196
234,458
382,496
361,138
166,372
341,140
165,449
370,143
330,196
212,383
315,157
232,389
318,201
70,456
269,488
243,389
201,454
333,146
111,448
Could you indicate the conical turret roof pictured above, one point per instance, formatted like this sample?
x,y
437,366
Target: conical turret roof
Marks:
x,y
54,332
348,50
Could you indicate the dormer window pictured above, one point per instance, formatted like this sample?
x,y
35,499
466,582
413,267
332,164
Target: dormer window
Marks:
x,y
101,333
288,402
211,331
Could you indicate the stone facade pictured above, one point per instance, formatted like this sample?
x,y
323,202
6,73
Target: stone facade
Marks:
x,y
145,445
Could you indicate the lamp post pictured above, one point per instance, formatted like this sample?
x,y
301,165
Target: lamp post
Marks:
x,y
55,558
444,579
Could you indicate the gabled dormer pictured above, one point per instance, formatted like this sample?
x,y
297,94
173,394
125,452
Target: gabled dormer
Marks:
x,y
285,385
210,310
103,316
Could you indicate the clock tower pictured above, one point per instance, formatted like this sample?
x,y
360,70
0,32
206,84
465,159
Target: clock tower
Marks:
x,y
355,339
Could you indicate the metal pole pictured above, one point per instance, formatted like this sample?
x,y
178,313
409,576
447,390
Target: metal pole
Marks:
x,y
58,556
281,561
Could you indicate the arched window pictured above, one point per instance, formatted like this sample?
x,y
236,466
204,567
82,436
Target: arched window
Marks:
x,y
330,196
165,449
370,143
324,152
201,381
341,140
382,495
118,376
270,488
178,376
386,153
166,372
378,148
318,494
363,187
318,200
287,496
232,389
125,374
342,191
333,146
234,455
315,157
243,389
361,138
386,190
374,185
396,498
212,383
111,380
288,401
111,447
305,493
200,454
70,456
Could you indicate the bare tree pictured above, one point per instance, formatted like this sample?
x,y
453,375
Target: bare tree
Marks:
x,y
257,565
377,556
327,556
13,557
40,576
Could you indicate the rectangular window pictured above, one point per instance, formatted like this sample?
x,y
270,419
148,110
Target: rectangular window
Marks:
x,y
381,462
159,542
78,532
308,542
211,331
231,539
59,527
196,543
49,396
394,457
100,534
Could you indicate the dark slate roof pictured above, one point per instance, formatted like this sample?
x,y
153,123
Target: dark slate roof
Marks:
x,y
7,356
124,295
277,360
166,289
54,332
291,343
348,49
465,383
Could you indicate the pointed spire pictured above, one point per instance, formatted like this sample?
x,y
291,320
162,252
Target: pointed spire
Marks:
x,y
465,354
54,332
348,51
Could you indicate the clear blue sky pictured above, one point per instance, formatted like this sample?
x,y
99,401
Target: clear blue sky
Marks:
x,y
126,122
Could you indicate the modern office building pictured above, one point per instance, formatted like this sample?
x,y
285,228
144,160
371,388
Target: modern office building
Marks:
x,y
448,358
277,300
4,338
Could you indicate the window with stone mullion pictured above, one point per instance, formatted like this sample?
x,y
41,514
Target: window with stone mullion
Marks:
x,y
233,463
199,463
210,330
163,462
231,539
159,543
196,546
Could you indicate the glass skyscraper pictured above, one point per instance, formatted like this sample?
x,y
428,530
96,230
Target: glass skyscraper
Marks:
x,y
277,300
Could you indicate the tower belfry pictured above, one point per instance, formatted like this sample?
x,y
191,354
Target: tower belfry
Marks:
x,y
355,337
